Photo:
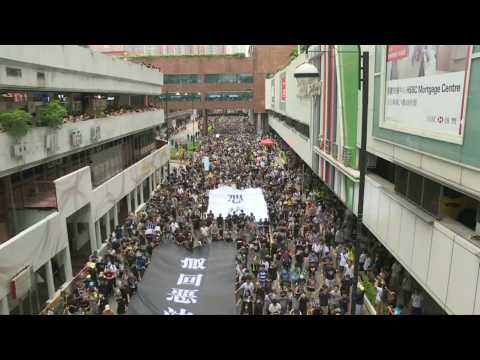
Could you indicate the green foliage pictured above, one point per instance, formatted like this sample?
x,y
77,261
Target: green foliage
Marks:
x,y
370,290
52,115
173,153
294,54
16,123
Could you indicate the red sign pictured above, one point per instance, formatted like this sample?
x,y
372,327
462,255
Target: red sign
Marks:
x,y
397,52
284,89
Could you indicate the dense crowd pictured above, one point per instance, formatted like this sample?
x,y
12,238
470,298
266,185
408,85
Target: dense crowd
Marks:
x,y
296,262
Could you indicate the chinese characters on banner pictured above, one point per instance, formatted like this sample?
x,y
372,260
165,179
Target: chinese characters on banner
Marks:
x,y
426,90
187,294
227,200
284,87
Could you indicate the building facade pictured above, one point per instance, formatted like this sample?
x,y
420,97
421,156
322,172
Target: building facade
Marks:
x,y
422,183
221,82
65,188
423,194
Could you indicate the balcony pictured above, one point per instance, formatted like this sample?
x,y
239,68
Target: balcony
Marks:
x,y
77,133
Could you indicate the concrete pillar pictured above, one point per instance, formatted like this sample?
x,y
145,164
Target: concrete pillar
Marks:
x,y
67,264
135,194
140,188
150,186
4,306
99,234
115,214
205,122
50,281
92,233
109,230
259,124
129,202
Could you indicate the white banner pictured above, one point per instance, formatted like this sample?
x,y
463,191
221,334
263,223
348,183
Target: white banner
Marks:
x,y
206,163
426,90
227,200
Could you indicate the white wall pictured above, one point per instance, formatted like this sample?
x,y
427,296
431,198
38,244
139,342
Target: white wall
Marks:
x,y
75,190
111,128
77,69
300,144
40,242
33,246
297,108
436,253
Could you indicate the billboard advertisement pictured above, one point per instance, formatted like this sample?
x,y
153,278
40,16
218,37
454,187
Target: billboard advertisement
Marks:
x,y
426,90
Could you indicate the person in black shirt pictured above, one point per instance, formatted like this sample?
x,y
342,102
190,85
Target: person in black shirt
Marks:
x,y
323,297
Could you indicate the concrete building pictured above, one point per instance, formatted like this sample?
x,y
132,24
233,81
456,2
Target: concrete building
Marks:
x,y
422,188
167,50
65,189
223,82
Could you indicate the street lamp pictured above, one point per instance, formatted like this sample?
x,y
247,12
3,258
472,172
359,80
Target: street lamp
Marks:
x,y
309,72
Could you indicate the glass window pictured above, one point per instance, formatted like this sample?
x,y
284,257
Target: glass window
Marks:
x,y
13,72
431,196
415,187
245,78
401,177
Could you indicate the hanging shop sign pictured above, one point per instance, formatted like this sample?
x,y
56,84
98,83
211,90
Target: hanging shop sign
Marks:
x,y
426,90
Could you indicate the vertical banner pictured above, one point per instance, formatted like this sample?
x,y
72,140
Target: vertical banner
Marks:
x,y
426,90
283,91
272,86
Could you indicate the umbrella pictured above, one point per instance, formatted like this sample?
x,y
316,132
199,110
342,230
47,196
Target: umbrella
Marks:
x,y
267,142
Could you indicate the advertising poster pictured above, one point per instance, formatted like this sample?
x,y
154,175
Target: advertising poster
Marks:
x,y
272,82
284,87
426,90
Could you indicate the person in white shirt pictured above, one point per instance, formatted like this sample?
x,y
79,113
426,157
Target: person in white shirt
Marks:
x,y
349,269
367,263
275,307
379,298
205,233
417,303
316,248
361,260
246,289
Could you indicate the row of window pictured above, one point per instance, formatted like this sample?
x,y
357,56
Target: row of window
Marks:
x,y
434,198
15,72
229,96
208,79
216,96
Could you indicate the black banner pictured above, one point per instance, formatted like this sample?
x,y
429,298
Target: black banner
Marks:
x,y
182,282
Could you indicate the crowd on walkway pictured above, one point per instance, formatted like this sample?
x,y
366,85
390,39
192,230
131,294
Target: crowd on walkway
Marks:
x,y
297,262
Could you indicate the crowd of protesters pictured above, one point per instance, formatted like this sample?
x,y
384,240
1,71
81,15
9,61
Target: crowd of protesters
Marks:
x,y
298,262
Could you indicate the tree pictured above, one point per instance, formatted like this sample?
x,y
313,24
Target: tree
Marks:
x,y
53,114
16,123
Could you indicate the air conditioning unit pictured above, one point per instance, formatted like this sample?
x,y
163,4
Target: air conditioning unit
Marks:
x,y
76,138
19,150
335,151
347,156
51,142
95,133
